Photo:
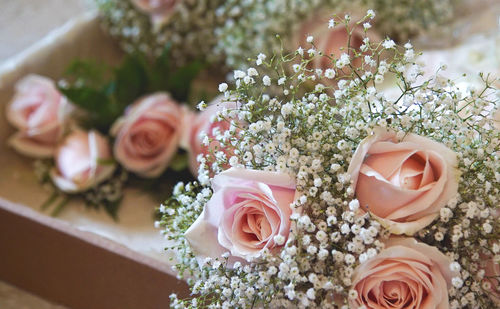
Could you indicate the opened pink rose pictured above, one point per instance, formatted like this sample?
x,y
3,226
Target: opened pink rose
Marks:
x,y
158,10
246,213
330,41
491,276
404,183
83,160
39,111
147,136
205,123
406,274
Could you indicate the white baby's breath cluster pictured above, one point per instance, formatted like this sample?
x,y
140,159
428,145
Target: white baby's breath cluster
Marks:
x,y
189,31
251,26
308,124
231,31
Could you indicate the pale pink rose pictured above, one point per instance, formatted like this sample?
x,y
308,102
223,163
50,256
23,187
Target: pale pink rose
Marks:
x,y
40,112
491,275
204,123
330,41
158,10
403,183
83,160
247,210
406,274
147,136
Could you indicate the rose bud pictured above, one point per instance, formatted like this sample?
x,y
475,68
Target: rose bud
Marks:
x,y
403,184
83,160
40,112
148,135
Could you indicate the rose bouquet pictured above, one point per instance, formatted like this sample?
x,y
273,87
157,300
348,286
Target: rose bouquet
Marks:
x,y
326,189
229,32
101,128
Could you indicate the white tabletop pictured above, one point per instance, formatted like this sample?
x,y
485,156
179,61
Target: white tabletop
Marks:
x,y
23,22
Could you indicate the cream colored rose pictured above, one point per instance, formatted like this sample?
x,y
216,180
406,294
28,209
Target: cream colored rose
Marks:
x,y
403,183
83,160
148,135
406,274
40,112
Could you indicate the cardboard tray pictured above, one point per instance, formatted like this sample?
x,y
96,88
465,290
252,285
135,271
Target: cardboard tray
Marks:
x,y
81,259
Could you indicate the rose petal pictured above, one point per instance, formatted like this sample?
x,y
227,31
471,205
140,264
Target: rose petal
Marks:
x,y
29,147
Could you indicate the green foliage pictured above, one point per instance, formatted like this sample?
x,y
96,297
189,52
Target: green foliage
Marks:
x,y
104,92
179,162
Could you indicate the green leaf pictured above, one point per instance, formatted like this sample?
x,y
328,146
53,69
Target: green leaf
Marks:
x,y
179,162
131,80
160,71
101,112
111,208
179,83
87,72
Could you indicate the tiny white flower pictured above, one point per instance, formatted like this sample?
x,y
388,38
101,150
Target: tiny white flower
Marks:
x,y
222,87
266,80
330,73
455,267
239,74
309,39
279,240
388,44
457,282
252,72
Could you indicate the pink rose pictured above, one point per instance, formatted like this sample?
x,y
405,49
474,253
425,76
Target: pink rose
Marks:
x,y
147,136
81,162
492,276
406,274
204,123
158,10
248,212
330,41
40,112
403,183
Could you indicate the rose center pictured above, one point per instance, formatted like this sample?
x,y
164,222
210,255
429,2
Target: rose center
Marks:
x,y
148,140
396,294
257,226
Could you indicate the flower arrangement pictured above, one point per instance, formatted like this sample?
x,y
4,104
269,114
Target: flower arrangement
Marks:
x,y
361,184
101,129
149,25
230,32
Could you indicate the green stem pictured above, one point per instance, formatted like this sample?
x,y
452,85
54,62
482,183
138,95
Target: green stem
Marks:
x,y
50,200
59,207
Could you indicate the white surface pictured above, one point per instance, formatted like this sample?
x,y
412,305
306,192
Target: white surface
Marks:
x,y
23,22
